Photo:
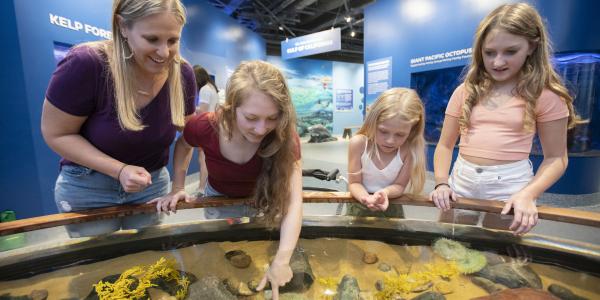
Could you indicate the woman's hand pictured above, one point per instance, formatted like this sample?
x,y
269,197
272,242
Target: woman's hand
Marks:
x,y
526,214
169,202
134,179
278,275
442,196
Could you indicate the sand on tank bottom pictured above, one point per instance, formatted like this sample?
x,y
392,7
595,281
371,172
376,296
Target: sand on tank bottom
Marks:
x,y
328,257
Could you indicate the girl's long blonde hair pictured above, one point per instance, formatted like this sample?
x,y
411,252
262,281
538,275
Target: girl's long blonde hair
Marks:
x,y
121,63
536,74
405,103
277,149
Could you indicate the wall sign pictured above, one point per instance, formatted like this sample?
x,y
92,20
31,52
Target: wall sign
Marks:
x,y
343,99
324,41
441,57
379,75
79,26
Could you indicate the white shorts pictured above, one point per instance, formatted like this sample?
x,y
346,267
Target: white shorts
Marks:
x,y
489,182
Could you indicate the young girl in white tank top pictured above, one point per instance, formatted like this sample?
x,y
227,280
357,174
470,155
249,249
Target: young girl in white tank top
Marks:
x,y
375,179
387,154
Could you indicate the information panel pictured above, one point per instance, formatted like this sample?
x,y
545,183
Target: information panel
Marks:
x,y
343,99
320,42
379,77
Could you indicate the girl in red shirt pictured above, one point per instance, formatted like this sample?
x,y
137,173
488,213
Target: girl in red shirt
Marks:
x,y
252,150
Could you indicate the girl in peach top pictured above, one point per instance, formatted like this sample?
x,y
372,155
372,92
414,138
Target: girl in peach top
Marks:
x,y
509,93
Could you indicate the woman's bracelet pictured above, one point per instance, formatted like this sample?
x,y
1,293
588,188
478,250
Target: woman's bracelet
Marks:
x,y
440,184
177,188
121,171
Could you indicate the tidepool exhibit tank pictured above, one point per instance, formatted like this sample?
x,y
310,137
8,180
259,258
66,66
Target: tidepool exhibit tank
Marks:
x,y
337,257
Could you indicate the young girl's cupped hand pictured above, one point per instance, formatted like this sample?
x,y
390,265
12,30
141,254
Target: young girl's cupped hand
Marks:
x,y
378,201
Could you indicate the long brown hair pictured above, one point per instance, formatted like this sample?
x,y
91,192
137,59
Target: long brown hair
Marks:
x,y
535,75
277,149
405,103
202,78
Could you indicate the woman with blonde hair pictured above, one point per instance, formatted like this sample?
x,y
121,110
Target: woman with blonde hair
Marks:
x,y
112,109
386,157
252,150
510,92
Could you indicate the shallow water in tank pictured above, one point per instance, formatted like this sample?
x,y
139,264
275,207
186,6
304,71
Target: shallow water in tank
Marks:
x,y
329,259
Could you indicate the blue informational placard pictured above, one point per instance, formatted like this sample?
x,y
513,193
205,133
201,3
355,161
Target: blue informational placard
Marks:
x,y
343,99
324,41
379,77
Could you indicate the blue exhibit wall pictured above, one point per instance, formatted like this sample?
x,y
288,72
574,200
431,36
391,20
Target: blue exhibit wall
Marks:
x,y
314,85
28,167
217,42
348,76
414,31
34,42
17,160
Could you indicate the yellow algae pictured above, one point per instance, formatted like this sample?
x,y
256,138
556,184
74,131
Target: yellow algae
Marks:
x,y
330,285
122,288
405,283
445,270
328,282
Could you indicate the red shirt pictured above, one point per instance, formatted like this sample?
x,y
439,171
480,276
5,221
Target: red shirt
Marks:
x,y
226,177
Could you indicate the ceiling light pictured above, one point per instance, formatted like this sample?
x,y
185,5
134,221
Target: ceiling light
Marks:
x,y
348,19
280,28
352,34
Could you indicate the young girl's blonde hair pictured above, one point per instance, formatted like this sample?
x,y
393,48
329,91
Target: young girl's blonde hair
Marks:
x,y
405,103
121,63
536,74
277,149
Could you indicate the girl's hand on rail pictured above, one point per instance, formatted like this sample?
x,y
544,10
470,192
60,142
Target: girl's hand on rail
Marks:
x,y
169,202
442,196
526,214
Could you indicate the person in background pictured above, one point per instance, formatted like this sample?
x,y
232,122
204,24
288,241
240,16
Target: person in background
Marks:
x,y
386,157
252,150
510,92
209,99
112,109
208,91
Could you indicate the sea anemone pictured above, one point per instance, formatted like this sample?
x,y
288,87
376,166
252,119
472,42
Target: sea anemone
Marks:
x,y
473,262
449,249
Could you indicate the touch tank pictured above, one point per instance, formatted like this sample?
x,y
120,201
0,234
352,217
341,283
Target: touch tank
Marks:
x,y
337,257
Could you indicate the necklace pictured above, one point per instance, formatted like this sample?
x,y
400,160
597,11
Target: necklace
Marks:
x,y
143,93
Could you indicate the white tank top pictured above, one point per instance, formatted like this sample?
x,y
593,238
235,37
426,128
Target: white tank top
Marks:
x,y
374,179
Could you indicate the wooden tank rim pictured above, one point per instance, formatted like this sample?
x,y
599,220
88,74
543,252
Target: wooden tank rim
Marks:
x,y
564,215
